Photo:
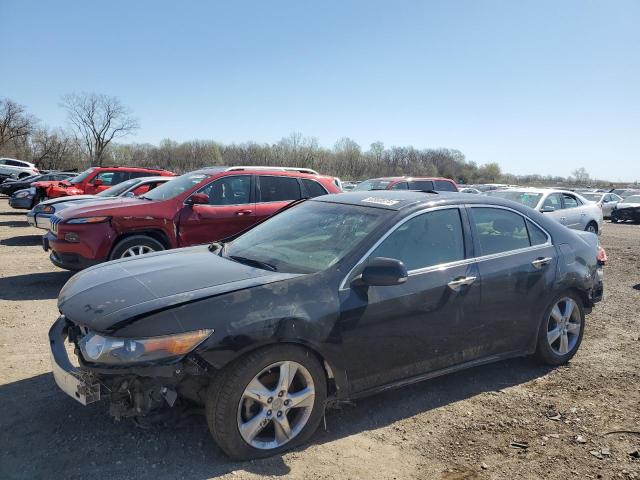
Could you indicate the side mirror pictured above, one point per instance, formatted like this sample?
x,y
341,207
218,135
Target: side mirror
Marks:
x,y
129,195
547,209
97,182
382,272
198,199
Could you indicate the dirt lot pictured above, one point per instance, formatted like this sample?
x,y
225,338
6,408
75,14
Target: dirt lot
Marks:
x,y
456,427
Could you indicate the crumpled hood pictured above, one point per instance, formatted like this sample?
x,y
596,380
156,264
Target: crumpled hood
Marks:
x,y
103,208
105,296
627,205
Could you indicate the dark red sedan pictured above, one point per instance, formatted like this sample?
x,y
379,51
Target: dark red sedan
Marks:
x,y
198,207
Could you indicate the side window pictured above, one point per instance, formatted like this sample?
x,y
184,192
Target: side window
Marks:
x,y
313,188
3,162
231,190
13,163
536,236
554,200
499,230
570,201
421,185
444,186
400,186
112,178
429,239
278,189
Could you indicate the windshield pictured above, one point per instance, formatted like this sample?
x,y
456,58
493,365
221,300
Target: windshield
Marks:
x,y
632,199
80,178
594,197
119,189
530,199
375,184
30,178
308,238
175,187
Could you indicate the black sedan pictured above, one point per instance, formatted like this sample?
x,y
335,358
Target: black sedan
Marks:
x,y
335,298
11,185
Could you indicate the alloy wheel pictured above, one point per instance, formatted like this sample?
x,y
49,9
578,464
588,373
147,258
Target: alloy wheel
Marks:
x,y
564,327
276,405
137,250
592,229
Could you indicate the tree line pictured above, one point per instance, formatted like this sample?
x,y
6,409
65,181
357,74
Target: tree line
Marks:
x,y
97,121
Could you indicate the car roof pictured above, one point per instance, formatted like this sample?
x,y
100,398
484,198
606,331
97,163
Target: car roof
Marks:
x,y
534,190
401,199
289,172
409,177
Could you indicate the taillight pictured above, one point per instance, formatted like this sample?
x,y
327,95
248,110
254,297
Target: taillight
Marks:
x,y
602,256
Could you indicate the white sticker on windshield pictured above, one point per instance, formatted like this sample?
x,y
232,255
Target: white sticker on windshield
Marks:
x,y
381,201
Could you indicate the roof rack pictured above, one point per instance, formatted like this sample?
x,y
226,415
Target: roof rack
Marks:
x,y
279,169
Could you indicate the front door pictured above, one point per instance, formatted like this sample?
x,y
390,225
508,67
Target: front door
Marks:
x,y
517,265
396,332
230,210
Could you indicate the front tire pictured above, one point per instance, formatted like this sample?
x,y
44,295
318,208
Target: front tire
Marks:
x,y
561,330
267,402
134,246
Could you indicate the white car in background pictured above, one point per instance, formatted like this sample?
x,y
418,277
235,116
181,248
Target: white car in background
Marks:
x,y
607,201
11,167
569,208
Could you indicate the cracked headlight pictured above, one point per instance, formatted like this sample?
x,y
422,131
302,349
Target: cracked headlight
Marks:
x,y
111,350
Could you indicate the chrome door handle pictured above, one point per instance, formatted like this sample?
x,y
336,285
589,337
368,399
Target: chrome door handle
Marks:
x,y
456,283
243,212
541,262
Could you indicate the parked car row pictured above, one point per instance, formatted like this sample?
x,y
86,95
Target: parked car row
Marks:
x,y
301,295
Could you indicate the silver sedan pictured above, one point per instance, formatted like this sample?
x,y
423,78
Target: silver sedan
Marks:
x,y
569,208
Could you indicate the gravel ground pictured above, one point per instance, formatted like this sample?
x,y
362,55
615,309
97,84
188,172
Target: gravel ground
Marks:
x,y
458,427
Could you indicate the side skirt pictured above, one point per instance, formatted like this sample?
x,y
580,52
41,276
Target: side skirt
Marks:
x,y
436,373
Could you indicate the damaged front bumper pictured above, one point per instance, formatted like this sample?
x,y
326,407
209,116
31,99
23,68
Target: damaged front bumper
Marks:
x,y
75,382
132,391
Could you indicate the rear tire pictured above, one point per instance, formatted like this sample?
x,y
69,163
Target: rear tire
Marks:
x,y
592,227
561,330
228,406
134,246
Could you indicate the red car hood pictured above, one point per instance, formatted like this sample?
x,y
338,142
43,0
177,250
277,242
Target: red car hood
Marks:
x,y
114,207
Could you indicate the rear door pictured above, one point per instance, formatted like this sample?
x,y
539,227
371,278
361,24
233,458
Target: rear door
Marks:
x,y
517,265
230,210
274,192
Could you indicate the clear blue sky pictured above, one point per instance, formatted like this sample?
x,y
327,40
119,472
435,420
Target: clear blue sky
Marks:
x,y
537,86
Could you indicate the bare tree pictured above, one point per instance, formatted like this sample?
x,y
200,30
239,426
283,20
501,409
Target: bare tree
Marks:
x,y
581,176
98,119
51,149
15,123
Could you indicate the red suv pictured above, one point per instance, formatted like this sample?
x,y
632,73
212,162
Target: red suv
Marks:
x,y
409,183
93,181
198,207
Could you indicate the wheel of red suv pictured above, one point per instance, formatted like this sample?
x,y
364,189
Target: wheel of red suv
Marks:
x,y
134,246
561,330
267,402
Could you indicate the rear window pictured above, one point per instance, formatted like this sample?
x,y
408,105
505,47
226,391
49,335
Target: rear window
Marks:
x,y
278,189
374,184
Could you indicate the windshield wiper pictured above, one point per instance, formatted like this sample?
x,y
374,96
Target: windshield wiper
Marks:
x,y
254,262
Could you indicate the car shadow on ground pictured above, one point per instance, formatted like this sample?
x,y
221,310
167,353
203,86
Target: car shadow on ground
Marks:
x,y
10,214
22,241
33,286
14,223
53,433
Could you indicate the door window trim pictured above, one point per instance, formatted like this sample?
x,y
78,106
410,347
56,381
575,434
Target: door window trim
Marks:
x,y
467,260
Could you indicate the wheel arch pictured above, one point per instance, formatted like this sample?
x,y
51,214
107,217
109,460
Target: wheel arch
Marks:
x,y
156,234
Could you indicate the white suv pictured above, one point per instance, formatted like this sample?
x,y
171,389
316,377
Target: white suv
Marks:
x,y
10,167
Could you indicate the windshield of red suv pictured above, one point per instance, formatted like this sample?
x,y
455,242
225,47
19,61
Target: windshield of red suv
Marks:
x,y
308,238
81,177
175,187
